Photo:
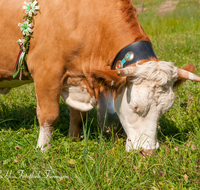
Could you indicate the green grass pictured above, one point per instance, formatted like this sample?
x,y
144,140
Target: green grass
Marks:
x,y
148,3
99,161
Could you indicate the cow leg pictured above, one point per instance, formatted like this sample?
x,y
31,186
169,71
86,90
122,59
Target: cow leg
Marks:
x,y
76,121
47,112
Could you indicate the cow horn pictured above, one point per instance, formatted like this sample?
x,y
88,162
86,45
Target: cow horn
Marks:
x,y
183,74
128,71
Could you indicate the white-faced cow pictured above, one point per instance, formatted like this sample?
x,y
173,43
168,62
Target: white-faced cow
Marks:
x,y
82,48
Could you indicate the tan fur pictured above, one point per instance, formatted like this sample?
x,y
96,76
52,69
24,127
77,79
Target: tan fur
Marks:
x,y
69,37
71,40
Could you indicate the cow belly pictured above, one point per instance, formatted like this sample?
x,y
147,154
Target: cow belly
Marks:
x,y
14,83
77,98
6,85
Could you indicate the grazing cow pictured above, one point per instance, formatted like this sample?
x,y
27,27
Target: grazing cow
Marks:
x,y
82,49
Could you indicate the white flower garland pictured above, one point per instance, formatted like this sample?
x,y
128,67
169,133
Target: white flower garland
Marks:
x,y
31,8
26,29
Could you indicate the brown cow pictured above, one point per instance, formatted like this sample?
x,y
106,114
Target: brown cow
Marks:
x,y
75,45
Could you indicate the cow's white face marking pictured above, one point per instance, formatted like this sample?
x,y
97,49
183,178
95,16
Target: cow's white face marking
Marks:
x,y
140,105
78,98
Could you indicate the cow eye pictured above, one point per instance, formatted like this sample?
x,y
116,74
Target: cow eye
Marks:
x,y
134,106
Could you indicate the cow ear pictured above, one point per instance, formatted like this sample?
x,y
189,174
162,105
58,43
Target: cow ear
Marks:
x,y
107,79
189,68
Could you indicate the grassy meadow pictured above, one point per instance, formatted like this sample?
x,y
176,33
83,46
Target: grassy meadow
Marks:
x,y
99,161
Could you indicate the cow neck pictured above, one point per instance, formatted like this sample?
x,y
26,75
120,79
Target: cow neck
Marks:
x,y
120,28
133,53
24,42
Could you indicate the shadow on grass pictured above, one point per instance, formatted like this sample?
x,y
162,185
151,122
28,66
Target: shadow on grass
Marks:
x,y
25,117
16,117
168,129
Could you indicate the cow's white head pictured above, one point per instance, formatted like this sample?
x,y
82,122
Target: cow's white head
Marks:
x,y
146,95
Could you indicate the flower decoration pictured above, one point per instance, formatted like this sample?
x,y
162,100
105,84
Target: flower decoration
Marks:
x,y
21,43
31,8
25,27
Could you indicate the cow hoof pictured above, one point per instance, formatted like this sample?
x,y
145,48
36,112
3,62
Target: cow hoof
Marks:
x,y
44,148
145,153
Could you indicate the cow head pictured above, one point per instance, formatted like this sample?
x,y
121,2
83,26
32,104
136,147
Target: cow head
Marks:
x,y
146,94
